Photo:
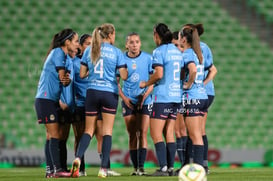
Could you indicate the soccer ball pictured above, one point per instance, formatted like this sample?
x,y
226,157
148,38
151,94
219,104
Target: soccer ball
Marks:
x,y
192,172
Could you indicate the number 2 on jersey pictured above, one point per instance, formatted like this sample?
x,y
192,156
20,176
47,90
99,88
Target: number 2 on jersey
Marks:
x,y
99,68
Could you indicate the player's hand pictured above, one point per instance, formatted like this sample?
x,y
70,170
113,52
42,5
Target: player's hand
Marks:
x,y
66,80
186,85
128,103
142,84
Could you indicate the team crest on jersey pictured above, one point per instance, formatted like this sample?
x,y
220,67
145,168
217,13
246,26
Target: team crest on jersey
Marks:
x,y
134,65
52,117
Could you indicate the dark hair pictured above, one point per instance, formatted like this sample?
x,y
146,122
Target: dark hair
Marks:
x,y
60,38
164,33
175,35
199,27
191,34
83,38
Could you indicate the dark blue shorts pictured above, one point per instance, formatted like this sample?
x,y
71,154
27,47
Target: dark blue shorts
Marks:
x,y
100,101
194,107
46,111
79,114
65,116
146,109
210,100
165,111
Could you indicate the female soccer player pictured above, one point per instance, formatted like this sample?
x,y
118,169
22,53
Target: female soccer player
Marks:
x,y
136,102
102,61
210,73
194,96
180,127
52,78
167,62
66,110
80,86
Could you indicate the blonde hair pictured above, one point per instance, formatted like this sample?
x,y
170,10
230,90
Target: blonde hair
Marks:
x,y
100,33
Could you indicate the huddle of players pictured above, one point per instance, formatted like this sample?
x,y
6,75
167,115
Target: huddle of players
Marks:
x,y
157,90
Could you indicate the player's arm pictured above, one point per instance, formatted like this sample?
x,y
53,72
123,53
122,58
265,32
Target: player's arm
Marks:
x,y
83,71
156,76
211,74
126,100
123,73
64,77
192,74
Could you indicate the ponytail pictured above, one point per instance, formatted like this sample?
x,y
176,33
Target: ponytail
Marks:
x,y
95,45
98,35
196,45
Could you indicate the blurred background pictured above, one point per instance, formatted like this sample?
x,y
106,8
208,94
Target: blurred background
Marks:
x,y
239,32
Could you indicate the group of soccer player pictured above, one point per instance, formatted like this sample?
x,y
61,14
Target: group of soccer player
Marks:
x,y
168,92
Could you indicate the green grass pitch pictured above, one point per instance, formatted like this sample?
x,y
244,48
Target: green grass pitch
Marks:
x,y
217,174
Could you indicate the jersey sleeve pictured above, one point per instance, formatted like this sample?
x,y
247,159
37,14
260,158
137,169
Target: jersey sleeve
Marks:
x,y
120,59
208,58
59,59
86,57
157,58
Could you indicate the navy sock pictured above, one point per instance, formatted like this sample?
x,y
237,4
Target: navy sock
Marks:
x,y
82,166
188,154
83,145
106,148
179,149
55,152
160,149
171,148
142,157
63,154
206,147
109,163
198,153
49,164
133,156
184,147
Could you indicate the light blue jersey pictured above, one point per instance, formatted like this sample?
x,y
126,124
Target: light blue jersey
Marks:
x,y
139,69
103,73
168,89
80,85
49,86
197,90
67,93
208,58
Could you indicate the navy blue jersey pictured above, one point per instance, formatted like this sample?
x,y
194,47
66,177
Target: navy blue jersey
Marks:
x,y
80,85
208,58
139,69
102,75
197,90
67,93
49,86
168,89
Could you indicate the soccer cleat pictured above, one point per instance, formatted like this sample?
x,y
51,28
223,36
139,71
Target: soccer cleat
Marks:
x,y
82,174
159,173
135,172
141,172
75,168
61,173
49,175
171,172
112,173
102,173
